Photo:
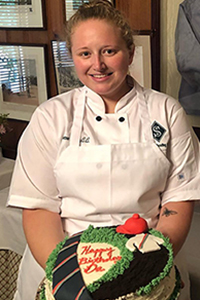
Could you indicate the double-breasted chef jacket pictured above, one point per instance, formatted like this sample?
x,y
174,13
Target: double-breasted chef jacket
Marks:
x,y
98,168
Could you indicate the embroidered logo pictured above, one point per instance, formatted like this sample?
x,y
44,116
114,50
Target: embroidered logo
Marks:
x,y
85,139
157,131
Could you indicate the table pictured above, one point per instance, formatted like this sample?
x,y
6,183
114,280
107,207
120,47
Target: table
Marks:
x,y
12,245
11,231
6,169
12,239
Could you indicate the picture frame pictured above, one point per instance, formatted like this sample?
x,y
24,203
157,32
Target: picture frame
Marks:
x,y
23,80
71,6
65,74
21,14
141,68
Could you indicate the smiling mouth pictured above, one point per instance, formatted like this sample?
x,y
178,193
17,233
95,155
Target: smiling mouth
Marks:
x,y
101,75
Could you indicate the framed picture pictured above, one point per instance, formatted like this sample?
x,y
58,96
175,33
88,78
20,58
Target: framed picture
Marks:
x,y
140,68
21,14
23,80
72,5
66,78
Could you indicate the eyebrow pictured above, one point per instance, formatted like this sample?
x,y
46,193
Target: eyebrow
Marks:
x,y
105,46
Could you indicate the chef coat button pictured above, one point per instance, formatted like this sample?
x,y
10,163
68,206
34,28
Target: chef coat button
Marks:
x,y
121,119
98,118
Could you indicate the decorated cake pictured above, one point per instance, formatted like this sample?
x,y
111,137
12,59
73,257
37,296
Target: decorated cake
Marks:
x,y
129,261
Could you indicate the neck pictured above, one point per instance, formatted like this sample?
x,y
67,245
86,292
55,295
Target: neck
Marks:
x,y
110,106
111,103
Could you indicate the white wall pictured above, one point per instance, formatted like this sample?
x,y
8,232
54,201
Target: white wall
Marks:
x,y
170,77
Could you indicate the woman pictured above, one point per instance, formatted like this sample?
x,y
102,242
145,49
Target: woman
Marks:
x,y
99,153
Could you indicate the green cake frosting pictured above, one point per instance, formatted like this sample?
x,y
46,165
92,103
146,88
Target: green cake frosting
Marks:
x,y
147,289
52,259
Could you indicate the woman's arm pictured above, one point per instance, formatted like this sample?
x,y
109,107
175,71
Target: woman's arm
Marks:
x,y
43,231
174,222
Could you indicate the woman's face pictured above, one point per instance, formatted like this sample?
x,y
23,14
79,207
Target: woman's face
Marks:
x,y
101,58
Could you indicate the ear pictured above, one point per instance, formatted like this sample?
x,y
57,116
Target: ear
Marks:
x,y
131,54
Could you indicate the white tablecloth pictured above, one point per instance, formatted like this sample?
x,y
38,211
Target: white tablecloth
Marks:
x,y
12,239
11,231
6,169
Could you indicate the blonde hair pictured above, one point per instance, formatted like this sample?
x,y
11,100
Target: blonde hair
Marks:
x,y
101,10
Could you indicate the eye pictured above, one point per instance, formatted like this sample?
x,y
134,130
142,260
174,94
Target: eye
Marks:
x,y
85,54
109,52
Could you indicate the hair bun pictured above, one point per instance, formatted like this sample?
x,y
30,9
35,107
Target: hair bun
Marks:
x,y
98,2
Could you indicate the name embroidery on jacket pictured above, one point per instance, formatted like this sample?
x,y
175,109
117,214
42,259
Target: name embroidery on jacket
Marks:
x,y
85,139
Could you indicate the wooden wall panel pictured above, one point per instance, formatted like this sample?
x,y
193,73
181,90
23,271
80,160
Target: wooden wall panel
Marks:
x,y
23,37
138,12
144,18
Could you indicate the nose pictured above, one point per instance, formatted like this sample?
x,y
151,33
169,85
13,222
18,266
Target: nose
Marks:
x,y
98,62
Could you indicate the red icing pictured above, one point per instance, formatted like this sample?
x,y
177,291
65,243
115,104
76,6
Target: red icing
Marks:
x,y
91,258
133,225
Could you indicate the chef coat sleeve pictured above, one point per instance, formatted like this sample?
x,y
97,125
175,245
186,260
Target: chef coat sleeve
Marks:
x,y
183,182
33,183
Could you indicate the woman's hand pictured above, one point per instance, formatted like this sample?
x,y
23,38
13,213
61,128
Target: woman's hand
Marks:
x,y
174,221
43,231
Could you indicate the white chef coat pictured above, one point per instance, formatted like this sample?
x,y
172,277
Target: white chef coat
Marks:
x,y
87,165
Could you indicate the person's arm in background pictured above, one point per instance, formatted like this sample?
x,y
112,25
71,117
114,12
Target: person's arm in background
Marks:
x,y
43,231
174,221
